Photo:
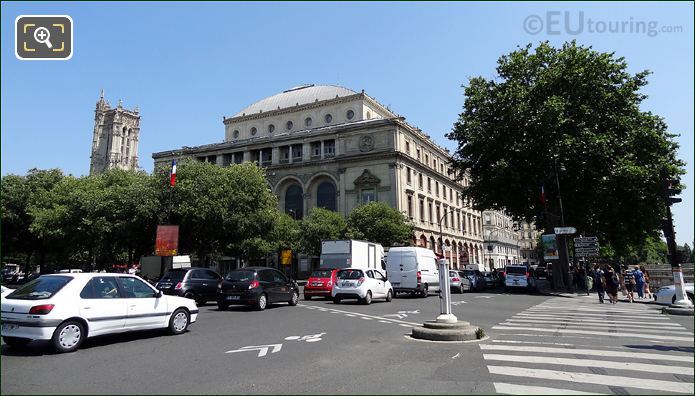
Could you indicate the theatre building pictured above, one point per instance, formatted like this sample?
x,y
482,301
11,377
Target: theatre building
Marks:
x,y
335,148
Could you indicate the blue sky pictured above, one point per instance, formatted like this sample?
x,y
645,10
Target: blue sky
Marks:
x,y
186,65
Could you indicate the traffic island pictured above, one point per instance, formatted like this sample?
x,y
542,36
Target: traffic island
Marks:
x,y
445,331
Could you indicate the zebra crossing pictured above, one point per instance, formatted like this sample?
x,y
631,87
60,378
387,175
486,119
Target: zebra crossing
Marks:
x,y
575,347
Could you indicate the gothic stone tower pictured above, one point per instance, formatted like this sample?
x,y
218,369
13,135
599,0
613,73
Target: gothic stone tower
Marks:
x,y
116,136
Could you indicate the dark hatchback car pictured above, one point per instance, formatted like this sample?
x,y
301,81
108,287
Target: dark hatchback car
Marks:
x,y
256,287
199,284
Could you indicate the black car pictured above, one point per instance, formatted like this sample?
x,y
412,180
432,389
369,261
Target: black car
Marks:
x,y
541,271
257,287
199,284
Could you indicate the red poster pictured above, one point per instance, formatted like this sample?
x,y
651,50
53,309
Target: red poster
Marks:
x,y
167,240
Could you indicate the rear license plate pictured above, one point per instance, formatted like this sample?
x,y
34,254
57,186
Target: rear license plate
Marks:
x,y
316,284
347,284
9,326
395,283
232,297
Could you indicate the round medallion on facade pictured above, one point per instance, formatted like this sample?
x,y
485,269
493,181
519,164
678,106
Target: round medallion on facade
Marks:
x,y
350,114
271,128
253,131
289,125
366,143
328,118
307,121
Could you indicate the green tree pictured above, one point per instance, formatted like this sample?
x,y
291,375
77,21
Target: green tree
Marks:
x,y
574,112
19,194
379,222
321,224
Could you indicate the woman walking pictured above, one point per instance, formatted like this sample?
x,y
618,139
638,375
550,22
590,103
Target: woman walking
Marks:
x,y
600,283
629,281
647,291
612,284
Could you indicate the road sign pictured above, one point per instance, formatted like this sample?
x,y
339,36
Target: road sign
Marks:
x,y
585,244
565,230
586,239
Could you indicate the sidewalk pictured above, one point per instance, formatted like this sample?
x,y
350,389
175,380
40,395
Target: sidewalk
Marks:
x,y
543,287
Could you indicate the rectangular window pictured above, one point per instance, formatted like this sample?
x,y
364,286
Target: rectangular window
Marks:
x,y
226,159
408,177
422,210
315,149
407,147
417,151
487,219
255,156
410,206
296,152
429,212
238,158
436,188
438,213
419,181
427,159
458,221
444,191
212,159
329,148
368,195
434,163
266,157
284,154
429,184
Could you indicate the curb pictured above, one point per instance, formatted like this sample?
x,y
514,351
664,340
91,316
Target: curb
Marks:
x,y
678,311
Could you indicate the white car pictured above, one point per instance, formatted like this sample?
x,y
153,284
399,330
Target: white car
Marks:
x,y
667,294
67,308
518,277
5,291
361,284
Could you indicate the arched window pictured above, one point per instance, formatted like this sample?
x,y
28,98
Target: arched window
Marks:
x,y
325,196
293,202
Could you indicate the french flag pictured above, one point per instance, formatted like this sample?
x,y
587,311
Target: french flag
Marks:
x,y
543,194
172,177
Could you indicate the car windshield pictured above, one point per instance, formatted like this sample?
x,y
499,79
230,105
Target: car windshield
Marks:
x,y
321,274
516,270
40,288
174,275
453,274
240,276
350,274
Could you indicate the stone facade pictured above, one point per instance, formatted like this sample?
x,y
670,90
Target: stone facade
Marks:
x,y
502,240
335,148
115,138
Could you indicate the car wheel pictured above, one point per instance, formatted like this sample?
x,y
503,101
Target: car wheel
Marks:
x,y
425,291
307,297
262,302
336,300
295,299
222,307
461,289
368,298
68,336
178,323
389,296
16,342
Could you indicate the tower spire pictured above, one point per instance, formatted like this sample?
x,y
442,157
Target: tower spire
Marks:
x,y
101,95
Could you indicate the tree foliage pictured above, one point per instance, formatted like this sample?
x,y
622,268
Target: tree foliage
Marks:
x,y
321,224
574,111
379,222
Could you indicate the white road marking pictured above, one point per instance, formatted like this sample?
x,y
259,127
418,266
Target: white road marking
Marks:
x,y
353,314
516,389
457,355
366,318
484,296
649,368
405,325
590,315
605,327
262,349
350,315
384,321
556,319
589,352
531,342
601,333
585,378
545,336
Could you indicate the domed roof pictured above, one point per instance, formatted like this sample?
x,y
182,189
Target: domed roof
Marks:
x,y
302,94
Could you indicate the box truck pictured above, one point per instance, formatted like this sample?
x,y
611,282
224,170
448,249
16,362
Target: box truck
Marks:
x,y
352,254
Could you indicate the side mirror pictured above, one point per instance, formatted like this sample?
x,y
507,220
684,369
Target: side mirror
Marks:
x,y
158,294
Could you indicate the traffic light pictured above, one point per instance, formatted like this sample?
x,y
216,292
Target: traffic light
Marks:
x,y
672,187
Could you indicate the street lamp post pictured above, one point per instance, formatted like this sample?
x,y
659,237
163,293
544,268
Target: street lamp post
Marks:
x,y
445,290
564,256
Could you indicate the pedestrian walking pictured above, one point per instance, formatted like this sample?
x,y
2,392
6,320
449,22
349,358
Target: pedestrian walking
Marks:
x,y
599,282
629,282
639,282
647,291
612,283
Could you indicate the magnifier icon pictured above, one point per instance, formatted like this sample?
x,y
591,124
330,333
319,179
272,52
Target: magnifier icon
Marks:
x,y
43,36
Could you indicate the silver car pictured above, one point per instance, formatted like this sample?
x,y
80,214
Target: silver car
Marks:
x,y
458,283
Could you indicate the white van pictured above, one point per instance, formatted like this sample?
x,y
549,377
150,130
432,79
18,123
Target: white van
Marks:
x,y
412,270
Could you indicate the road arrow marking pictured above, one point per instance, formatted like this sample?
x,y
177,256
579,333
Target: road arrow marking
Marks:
x,y
262,349
483,296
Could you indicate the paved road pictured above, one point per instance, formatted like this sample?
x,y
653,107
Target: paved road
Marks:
x,y
321,347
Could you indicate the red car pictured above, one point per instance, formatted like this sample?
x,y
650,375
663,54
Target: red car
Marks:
x,y
320,283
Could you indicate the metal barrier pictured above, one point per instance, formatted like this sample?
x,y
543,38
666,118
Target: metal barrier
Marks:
x,y
663,276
